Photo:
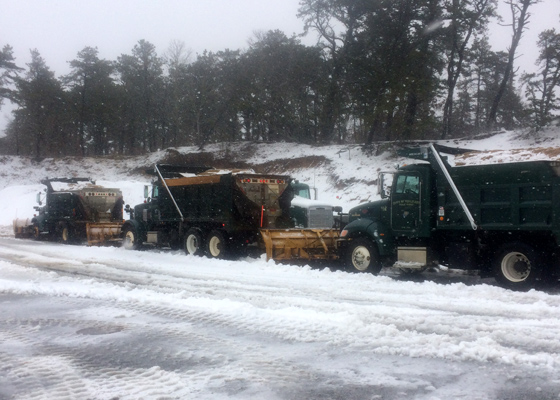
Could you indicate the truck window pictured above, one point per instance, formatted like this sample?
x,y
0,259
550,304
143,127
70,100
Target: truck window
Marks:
x,y
304,192
408,184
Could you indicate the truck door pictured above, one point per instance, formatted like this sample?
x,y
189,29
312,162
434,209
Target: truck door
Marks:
x,y
406,209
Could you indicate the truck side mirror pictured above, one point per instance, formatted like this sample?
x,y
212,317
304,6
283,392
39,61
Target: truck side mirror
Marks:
x,y
38,199
337,209
146,192
382,190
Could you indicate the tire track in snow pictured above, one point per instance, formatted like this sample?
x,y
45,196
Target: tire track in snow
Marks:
x,y
356,311
166,354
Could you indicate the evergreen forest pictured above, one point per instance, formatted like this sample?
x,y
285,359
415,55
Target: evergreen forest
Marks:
x,y
382,70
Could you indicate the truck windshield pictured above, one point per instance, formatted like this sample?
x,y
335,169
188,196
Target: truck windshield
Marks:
x,y
303,192
408,184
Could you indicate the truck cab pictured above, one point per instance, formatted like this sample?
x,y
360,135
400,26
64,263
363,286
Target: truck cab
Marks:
x,y
150,221
308,212
396,227
410,202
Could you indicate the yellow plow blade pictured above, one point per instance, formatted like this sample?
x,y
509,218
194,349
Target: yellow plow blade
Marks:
x,y
98,233
302,244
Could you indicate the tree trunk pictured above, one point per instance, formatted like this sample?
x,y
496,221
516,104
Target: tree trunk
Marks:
x,y
518,26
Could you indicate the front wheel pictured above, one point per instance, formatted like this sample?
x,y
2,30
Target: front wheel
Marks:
x,y
36,232
131,239
216,245
362,256
65,235
516,267
193,242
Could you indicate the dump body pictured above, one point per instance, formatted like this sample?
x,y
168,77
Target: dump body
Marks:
x,y
210,204
79,211
516,196
238,201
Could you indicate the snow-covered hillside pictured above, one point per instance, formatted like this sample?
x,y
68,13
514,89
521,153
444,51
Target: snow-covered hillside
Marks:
x,y
344,175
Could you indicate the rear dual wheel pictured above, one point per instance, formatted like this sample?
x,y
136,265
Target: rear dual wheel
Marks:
x,y
216,245
193,242
516,266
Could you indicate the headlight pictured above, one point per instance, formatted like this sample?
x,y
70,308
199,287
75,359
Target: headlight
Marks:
x,y
343,233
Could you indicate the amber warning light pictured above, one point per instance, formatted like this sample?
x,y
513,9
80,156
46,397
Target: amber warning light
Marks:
x,y
262,180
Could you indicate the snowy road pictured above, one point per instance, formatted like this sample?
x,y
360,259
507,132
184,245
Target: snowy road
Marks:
x,y
104,323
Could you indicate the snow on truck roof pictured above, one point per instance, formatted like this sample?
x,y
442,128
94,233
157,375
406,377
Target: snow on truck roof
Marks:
x,y
308,203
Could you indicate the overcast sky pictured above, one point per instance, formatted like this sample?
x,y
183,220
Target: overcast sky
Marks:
x,y
59,29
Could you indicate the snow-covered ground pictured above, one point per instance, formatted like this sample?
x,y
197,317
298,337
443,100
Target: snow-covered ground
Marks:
x,y
105,323
83,322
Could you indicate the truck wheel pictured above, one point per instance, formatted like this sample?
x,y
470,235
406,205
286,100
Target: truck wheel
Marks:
x,y
516,266
64,234
361,256
216,245
130,239
36,232
193,242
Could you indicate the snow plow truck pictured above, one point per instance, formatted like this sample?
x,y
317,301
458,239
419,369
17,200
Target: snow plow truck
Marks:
x,y
207,211
77,211
220,213
499,220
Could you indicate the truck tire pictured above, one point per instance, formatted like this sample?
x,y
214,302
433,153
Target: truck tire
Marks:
x,y
65,234
516,266
131,239
216,245
193,242
361,256
36,232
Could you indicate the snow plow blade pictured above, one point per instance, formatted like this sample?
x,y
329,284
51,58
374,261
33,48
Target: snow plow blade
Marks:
x,y
23,228
103,232
300,244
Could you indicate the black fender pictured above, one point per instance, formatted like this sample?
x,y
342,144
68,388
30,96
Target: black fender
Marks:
x,y
39,222
375,231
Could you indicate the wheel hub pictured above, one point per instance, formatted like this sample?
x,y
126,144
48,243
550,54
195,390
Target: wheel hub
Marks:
x,y
361,259
516,267
520,266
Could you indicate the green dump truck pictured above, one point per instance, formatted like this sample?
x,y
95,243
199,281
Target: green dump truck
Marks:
x,y
208,211
502,220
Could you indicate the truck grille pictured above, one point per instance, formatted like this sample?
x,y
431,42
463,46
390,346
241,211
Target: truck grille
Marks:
x,y
321,217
